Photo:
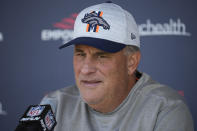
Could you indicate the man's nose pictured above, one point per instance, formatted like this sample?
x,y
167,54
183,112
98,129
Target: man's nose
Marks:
x,y
89,66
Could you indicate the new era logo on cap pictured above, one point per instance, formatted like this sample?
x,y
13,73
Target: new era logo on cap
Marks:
x,y
133,36
94,20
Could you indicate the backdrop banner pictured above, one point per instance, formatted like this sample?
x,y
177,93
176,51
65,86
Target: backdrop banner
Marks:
x,y
31,65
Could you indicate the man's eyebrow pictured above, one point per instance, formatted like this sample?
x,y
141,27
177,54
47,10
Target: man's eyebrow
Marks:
x,y
102,53
78,50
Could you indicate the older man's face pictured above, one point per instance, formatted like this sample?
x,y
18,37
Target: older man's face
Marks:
x,y
101,77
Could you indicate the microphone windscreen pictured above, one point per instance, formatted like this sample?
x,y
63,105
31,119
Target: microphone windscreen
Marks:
x,y
37,118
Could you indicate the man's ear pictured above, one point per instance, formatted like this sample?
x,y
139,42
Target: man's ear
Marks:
x,y
133,62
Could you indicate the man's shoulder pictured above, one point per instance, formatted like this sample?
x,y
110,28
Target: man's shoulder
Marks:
x,y
166,103
161,92
68,95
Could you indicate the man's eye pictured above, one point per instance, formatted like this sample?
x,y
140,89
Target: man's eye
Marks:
x,y
102,56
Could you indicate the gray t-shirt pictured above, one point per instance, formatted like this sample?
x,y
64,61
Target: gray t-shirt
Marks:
x,y
149,106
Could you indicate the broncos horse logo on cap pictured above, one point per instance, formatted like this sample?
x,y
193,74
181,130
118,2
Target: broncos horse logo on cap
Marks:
x,y
94,20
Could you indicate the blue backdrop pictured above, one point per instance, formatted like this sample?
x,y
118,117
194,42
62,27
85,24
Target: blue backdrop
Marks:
x,y
31,65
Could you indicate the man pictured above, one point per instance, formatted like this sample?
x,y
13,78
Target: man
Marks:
x,y
110,94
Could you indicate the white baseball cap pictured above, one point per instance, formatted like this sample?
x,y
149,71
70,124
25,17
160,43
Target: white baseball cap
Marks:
x,y
105,26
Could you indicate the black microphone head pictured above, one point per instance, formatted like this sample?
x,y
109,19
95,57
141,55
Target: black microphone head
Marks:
x,y
37,118
29,127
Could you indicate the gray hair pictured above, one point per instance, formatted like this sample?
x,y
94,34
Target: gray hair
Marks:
x,y
129,49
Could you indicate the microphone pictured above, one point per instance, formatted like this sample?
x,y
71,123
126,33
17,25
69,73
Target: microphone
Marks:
x,y
37,118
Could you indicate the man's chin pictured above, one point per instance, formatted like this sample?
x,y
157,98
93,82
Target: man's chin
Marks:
x,y
91,101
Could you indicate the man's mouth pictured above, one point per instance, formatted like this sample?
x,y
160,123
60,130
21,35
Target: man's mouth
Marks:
x,y
91,83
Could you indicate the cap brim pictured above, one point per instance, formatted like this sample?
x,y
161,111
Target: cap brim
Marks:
x,y
102,44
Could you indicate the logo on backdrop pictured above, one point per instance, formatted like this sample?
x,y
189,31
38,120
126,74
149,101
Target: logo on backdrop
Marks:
x,y
181,92
173,27
2,112
64,29
1,36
